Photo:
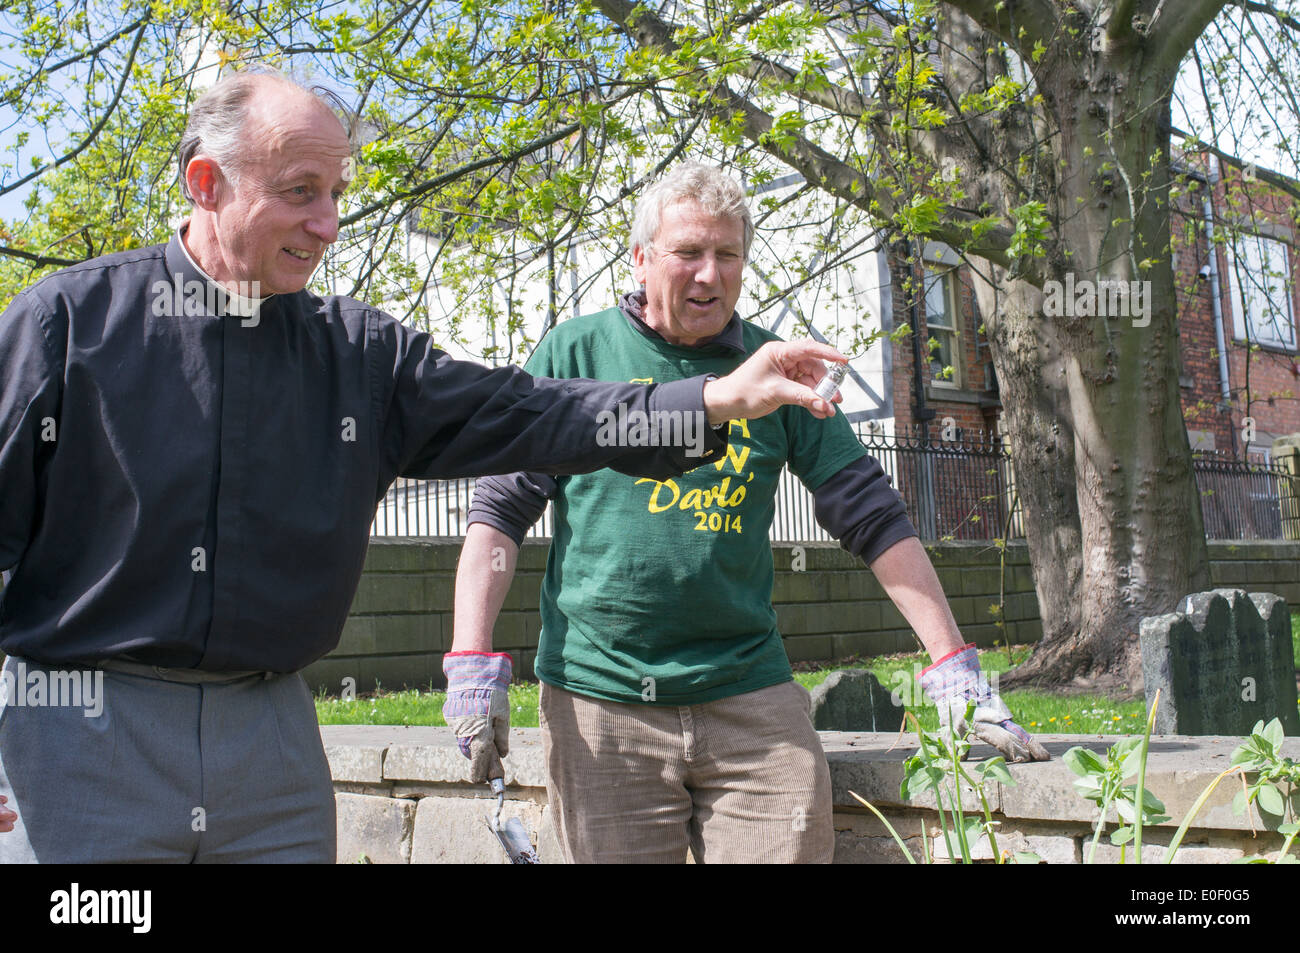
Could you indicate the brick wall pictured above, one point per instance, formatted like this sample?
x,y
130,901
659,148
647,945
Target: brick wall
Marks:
x,y
972,407
1264,380
401,621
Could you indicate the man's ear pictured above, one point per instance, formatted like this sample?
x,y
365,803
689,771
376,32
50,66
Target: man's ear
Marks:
x,y
204,180
639,264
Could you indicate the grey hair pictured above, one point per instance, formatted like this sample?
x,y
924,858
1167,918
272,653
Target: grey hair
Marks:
x,y
715,191
217,124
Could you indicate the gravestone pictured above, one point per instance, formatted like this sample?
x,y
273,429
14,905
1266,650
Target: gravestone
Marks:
x,y
854,700
1222,663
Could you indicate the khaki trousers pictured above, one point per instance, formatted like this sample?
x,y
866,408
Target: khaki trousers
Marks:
x,y
738,780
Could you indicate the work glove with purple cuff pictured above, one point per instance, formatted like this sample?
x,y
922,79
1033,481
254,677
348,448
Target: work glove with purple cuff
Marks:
x,y
478,709
954,681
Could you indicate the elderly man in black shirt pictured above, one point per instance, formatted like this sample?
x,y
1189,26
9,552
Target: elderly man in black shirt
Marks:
x,y
192,447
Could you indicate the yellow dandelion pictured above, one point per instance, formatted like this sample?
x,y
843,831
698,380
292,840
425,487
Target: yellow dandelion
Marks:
x,y
1116,718
1053,718
1033,724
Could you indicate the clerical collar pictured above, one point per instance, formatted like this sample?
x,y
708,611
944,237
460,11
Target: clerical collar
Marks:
x,y
233,302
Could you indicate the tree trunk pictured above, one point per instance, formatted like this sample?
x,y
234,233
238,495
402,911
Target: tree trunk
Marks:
x,y
1031,378
1133,542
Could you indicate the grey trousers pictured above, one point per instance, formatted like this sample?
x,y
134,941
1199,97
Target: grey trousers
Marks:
x,y
143,770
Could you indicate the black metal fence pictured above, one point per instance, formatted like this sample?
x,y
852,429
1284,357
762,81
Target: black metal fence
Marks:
x,y
952,490
1251,499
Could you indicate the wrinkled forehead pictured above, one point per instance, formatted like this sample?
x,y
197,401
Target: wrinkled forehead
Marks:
x,y
688,219
289,125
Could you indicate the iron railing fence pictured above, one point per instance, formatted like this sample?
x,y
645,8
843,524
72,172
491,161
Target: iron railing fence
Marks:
x,y
952,490
1246,499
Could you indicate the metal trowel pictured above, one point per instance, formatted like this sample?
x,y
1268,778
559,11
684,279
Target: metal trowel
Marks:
x,y
514,839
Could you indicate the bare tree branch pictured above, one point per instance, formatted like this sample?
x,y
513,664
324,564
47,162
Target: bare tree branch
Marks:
x,y
98,127
1285,19
1287,185
1172,39
428,185
1039,19
39,261
815,164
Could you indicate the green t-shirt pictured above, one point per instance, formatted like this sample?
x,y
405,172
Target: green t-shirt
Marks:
x,y
662,591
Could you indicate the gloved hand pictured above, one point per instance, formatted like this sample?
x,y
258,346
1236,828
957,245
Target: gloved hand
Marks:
x,y
478,709
955,680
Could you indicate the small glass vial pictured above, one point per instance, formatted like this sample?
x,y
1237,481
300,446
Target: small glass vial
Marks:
x,y
829,384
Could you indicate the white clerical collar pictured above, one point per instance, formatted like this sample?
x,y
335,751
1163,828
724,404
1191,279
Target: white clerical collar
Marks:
x,y
236,303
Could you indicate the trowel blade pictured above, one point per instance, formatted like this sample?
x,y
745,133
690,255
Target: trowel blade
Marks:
x,y
514,840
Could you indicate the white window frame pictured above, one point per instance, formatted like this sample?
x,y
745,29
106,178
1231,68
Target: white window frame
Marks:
x,y
1263,265
947,276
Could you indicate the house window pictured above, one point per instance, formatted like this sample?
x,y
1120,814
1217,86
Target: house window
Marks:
x,y
943,341
1260,279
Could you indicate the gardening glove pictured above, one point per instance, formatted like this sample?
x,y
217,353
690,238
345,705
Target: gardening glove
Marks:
x,y
478,709
953,682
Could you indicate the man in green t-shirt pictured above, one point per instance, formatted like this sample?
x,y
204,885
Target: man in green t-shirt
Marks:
x,y
669,714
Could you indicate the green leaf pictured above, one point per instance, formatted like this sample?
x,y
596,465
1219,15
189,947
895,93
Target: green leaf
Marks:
x,y
1270,800
995,769
1239,803
1152,803
1131,759
1273,734
1122,835
1026,857
1082,761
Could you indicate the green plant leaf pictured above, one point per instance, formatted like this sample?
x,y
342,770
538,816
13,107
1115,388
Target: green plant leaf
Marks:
x,y
995,769
1270,800
1151,803
1132,760
1122,835
1240,802
1089,788
1083,762
1124,807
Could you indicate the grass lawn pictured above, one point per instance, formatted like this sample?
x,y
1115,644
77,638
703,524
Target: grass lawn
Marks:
x,y
1037,712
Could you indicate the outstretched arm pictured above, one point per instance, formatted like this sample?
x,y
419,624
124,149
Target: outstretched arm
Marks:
x,y
859,507
953,678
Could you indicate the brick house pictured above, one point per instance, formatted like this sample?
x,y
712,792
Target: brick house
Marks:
x,y
1237,396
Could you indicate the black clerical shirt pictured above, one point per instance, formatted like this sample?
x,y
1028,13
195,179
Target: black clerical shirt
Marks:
x,y
187,487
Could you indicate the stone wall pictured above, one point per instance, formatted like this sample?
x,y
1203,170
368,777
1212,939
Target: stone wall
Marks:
x,y
402,798
828,605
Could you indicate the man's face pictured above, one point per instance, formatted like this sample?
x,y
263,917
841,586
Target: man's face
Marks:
x,y
691,273
273,226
